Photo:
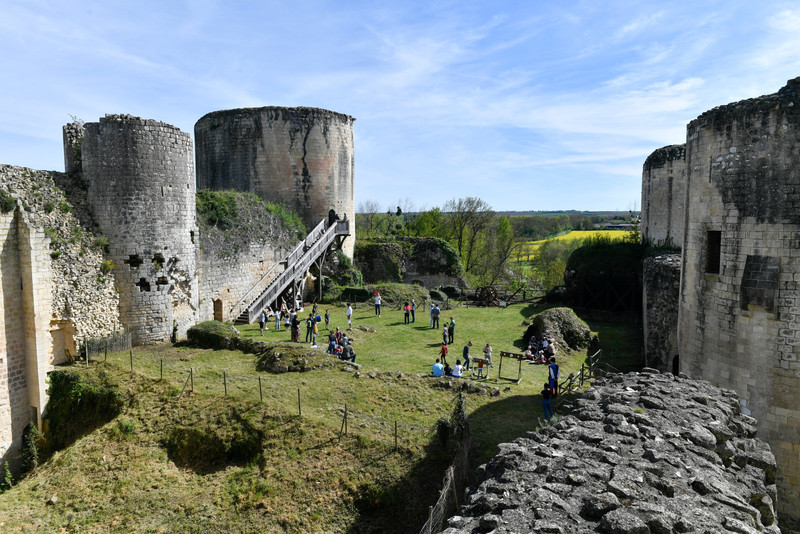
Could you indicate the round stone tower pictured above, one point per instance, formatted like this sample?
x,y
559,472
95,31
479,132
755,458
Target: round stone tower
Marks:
x,y
142,194
299,157
740,283
664,195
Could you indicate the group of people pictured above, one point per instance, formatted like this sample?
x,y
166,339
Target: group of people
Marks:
x,y
478,366
340,345
540,349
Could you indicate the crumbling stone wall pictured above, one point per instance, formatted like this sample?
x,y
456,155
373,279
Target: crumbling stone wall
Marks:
x,y
142,193
661,290
300,157
664,195
640,453
739,295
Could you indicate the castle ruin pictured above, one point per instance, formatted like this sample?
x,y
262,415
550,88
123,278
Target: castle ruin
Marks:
x,y
736,319
133,180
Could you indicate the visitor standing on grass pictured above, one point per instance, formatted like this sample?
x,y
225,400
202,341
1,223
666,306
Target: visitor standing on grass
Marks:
x,y
328,318
553,376
465,354
413,309
377,304
278,320
444,335
435,311
443,353
349,314
262,319
547,406
451,330
487,354
406,313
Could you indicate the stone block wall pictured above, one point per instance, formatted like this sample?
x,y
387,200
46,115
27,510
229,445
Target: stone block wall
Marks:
x,y
664,195
300,157
661,290
740,294
228,278
15,411
142,194
26,353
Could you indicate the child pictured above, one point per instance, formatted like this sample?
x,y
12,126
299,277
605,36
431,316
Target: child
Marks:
x,y
447,370
451,330
443,353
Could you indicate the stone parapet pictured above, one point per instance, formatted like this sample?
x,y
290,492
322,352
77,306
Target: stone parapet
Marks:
x,y
642,452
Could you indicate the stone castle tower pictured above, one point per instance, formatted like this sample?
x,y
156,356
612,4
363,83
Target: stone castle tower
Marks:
x,y
300,157
736,319
142,194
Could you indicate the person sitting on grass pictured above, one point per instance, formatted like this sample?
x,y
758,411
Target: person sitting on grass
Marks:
x,y
458,369
438,368
447,370
348,353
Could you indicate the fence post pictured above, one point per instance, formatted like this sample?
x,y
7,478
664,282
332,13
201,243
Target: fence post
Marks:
x,y
191,379
260,391
430,519
225,382
131,362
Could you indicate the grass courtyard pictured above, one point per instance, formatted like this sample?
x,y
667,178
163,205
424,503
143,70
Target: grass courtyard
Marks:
x,y
306,477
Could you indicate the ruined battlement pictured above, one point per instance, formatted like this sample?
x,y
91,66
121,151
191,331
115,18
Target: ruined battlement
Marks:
x,y
662,156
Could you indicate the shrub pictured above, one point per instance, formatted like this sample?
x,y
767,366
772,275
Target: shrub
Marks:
x,y
64,206
7,202
102,242
106,266
211,334
218,207
8,480
48,207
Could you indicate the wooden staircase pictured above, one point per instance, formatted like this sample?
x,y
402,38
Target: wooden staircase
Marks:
x,y
295,265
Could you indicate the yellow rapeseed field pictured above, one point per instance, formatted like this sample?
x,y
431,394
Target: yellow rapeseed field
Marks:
x,y
529,247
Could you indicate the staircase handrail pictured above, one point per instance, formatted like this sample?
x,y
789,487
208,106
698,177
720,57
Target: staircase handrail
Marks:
x,y
234,312
298,260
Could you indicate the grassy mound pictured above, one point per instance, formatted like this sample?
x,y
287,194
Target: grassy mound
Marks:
x,y
561,324
211,335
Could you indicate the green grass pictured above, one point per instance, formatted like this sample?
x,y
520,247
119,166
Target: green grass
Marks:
x,y
302,477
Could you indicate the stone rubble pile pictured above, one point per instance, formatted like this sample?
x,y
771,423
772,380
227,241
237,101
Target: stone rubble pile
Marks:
x,y
55,204
639,453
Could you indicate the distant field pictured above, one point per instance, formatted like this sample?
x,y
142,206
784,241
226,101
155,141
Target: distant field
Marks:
x,y
530,247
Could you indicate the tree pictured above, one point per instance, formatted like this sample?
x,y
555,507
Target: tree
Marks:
x,y
367,209
467,217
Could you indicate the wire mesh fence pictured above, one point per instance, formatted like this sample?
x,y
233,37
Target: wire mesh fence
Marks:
x,y
116,342
456,476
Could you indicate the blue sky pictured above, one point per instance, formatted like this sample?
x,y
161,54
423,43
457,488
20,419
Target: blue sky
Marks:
x,y
528,105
